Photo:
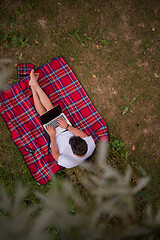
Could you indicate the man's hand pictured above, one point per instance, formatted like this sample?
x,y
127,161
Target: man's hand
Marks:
x,y
62,122
51,130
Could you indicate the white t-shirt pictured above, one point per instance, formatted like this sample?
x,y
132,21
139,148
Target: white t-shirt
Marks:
x,y
67,159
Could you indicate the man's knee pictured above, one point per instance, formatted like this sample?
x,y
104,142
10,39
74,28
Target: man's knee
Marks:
x,y
49,107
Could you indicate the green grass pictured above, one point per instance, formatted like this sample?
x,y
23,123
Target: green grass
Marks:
x,y
88,35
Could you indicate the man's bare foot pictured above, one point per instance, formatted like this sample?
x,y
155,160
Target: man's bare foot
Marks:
x,y
33,78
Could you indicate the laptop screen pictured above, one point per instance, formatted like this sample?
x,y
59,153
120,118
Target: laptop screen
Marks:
x,y
51,114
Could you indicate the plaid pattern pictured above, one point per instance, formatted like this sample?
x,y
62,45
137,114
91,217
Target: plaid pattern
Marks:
x,y
61,85
23,70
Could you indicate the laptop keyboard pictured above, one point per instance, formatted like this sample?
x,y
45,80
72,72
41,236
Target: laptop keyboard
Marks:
x,y
54,123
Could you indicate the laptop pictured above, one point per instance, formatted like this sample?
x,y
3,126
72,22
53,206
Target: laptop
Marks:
x,y
51,116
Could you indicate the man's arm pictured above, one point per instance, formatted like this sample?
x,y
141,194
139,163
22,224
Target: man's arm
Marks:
x,y
54,148
63,124
77,132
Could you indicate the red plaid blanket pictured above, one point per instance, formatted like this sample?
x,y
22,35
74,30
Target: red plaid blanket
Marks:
x,y
16,107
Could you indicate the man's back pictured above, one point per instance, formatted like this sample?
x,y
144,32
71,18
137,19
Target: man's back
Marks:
x,y
67,158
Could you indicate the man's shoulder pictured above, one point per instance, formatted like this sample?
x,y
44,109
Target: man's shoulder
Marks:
x,y
89,140
64,135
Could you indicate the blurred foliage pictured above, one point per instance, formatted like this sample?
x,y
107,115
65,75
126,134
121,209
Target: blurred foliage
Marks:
x,y
5,72
63,214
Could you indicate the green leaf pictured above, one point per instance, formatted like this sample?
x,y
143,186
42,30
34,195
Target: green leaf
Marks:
x,y
88,38
84,44
105,42
13,80
100,31
125,110
15,41
24,43
126,98
126,155
130,110
20,56
122,107
134,99
6,37
5,45
77,36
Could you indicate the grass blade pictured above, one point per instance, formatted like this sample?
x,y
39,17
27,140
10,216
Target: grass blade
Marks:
x,y
77,36
125,110
134,99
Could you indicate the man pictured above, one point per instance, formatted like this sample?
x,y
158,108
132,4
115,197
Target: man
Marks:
x,y
69,148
